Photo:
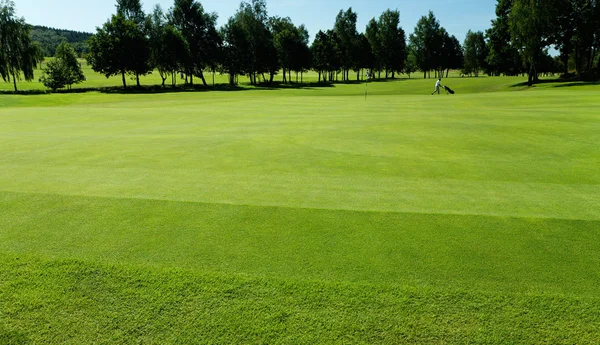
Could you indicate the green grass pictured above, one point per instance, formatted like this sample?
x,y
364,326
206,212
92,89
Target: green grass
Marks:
x,y
302,216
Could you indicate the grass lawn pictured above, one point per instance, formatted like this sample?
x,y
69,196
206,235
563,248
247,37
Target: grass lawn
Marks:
x,y
302,215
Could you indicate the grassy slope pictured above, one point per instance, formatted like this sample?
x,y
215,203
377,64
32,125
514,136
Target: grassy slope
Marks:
x,y
322,217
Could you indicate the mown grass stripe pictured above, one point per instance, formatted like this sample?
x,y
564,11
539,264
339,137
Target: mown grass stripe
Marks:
x,y
478,252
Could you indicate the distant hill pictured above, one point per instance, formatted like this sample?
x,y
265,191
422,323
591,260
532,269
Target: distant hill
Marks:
x,y
50,38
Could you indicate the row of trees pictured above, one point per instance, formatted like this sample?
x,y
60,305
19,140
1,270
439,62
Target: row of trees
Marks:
x,y
184,41
523,29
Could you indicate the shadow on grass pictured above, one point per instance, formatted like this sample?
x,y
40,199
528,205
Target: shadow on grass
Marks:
x,y
572,82
158,89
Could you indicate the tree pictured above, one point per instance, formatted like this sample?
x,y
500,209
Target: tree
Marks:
x,y
392,41
199,31
529,23
503,57
345,29
64,70
326,54
115,48
366,58
249,28
286,38
455,57
236,50
426,42
303,57
321,52
411,61
18,54
574,30
475,53
54,76
131,10
168,46
374,38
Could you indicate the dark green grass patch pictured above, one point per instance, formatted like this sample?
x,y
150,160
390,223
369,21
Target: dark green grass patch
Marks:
x,y
75,302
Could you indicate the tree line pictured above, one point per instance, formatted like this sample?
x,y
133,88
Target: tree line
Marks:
x,y
185,42
50,38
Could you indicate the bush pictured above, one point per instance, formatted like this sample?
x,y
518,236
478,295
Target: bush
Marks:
x,y
55,75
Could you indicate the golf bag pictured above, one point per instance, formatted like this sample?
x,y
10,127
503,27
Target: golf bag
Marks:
x,y
449,90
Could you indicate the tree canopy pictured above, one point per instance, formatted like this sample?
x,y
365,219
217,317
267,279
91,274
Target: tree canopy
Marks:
x,y
19,55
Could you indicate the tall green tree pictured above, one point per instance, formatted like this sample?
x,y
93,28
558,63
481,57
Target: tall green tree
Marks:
x,y
18,54
303,56
236,50
326,54
475,53
366,58
116,47
374,38
392,40
529,23
286,38
503,56
169,47
345,29
321,51
574,30
199,30
253,19
132,11
426,40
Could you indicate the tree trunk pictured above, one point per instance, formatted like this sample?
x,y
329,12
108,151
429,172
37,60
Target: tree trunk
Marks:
x,y
591,57
578,62
302,77
15,82
203,80
565,55
163,80
284,79
319,77
123,77
530,75
137,78
191,79
290,75
447,72
213,75
424,74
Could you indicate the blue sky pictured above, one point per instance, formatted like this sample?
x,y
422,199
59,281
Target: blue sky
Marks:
x,y
457,16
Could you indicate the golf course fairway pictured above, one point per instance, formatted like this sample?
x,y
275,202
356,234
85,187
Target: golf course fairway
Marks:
x,y
309,215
